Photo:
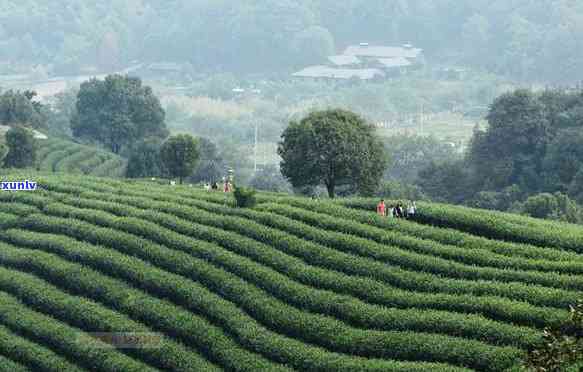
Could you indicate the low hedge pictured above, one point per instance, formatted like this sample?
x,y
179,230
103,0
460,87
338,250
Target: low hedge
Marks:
x,y
346,308
32,355
479,259
90,316
195,297
63,338
373,291
443,235
190,328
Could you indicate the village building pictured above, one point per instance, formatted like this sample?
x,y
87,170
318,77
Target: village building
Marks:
x,y
366,62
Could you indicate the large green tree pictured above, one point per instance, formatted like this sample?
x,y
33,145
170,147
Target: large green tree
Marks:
x,y
3,153
18,108
21,148
116,112
180,155
512,149
144,160
211,167
332,148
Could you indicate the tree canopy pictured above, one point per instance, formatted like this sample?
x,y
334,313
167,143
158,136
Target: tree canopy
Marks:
x,y
180,155
21,148
116,112
524,39
18,108
332,148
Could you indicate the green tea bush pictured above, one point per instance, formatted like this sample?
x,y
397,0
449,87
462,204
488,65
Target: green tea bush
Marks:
x,y
352,310
197,298
245,197
459,304
174,320
30,354
87,315
62,337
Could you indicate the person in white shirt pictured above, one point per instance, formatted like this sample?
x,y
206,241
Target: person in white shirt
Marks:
x,y
412,208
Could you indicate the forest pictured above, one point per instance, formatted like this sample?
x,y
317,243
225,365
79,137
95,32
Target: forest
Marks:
x,y
527,40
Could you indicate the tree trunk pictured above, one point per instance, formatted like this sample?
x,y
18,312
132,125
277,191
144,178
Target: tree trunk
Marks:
x,y
330,186
180,178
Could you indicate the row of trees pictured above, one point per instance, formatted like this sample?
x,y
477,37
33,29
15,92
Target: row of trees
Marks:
x,y
529,159
19,149
524,39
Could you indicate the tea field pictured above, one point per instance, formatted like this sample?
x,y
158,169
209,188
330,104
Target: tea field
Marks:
x,y
61,156
291,285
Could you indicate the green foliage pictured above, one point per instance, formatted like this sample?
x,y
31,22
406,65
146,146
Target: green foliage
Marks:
x,y
551,206
505,226
145,160
447,182
62,109
3,152
562,347
511,151
18,108
211,166
346,289
270,178
57,155
116,112
333,148
21,148
245,197
409,154
395,190
494,200
563,159
179,155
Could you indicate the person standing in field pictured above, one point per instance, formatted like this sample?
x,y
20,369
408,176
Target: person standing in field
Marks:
x,y
412,210
381,208
391,211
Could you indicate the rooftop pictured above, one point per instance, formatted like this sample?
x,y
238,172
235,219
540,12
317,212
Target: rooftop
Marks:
x,y
165,66
382,51
395,62
339,73
344,60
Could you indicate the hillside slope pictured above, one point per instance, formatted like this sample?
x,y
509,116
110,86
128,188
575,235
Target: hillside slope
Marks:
x,y
61,156
294,284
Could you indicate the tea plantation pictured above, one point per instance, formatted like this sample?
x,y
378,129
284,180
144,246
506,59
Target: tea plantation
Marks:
x,y
61,156
292,284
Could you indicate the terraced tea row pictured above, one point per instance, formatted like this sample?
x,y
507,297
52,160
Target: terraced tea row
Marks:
x,y
188,295
291,285
60,156
495,225
492,310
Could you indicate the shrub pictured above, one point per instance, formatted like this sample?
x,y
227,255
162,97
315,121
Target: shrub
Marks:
x,y
245,197
562,347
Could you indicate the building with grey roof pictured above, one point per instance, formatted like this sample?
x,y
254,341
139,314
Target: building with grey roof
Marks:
x,y
374,51
366,62
326,72
344,60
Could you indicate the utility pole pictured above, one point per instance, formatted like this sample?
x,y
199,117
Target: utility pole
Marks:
x,y
421,118
256,145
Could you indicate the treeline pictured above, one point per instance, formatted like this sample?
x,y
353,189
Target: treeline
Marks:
x,y
523,39
529,159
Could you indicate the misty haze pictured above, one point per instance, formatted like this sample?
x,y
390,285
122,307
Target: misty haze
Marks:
x,y
291,185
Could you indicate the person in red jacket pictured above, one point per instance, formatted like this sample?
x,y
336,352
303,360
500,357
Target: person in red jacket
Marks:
x,y
381,208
